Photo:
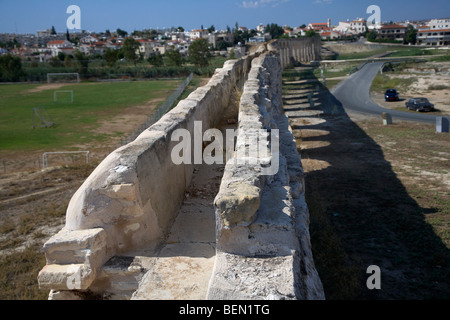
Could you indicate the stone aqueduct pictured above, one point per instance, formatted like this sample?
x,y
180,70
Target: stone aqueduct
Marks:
x,y
130,201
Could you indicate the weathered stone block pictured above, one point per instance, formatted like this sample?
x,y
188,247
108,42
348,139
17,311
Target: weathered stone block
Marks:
x,y
239,205
80,246
66,277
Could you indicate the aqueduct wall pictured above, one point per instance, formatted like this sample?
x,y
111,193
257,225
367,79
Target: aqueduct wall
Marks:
x,y
132,198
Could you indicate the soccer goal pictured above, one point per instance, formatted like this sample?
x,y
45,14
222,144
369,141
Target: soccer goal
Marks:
x,y
41,119
63,77
67,96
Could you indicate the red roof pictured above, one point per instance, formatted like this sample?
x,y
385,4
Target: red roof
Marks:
x,y
434,30
56,42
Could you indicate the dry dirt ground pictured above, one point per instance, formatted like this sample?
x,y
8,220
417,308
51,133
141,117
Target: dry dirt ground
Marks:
x,y
33,201
432,80
378,195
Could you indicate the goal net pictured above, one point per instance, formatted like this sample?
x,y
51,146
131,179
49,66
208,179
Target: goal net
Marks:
x,y
41,119
63,77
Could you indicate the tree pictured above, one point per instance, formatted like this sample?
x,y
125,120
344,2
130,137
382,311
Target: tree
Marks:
x,y
275,30
129,49
53,30
199,52
174,57
310,33
68,61
121,33
10,68
61,56
111,57
411,35
371,35
83,61
156,60
232,54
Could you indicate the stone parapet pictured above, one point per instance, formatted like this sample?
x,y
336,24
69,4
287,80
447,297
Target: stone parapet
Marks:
x,y
263,246
132,198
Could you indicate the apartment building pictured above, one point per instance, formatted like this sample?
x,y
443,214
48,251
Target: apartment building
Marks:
x,y
392,32
433,37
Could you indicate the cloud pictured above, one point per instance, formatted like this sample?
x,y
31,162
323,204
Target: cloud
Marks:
x,y
250,4
262,3
323,2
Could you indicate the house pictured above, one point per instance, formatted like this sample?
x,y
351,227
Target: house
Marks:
x,y
343,27
353,27
217,37
260,28
331,35
59,44
433,37
319,26
145,48
358,26
198,34
392,32
89,39
439,24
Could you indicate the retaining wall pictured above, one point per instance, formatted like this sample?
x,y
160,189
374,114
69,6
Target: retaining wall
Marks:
x,y
132,198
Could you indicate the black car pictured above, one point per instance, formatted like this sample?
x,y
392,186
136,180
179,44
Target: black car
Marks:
x,y
391,95
419,104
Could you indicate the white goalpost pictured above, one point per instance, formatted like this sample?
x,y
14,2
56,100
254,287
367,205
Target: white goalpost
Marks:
x,y
63,77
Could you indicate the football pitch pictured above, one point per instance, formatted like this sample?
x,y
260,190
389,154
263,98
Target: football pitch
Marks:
x,y
76,122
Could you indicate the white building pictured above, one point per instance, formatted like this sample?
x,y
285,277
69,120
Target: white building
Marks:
x,y
145,48
352,27
198,33
89,39
358,26
439,24
59,44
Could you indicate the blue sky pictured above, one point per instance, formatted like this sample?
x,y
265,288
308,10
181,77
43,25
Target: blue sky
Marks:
x,y
98,15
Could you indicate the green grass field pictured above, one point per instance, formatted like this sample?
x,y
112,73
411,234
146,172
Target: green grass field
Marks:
x,y
75,123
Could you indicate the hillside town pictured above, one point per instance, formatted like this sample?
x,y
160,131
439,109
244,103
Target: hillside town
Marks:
x,y
47,44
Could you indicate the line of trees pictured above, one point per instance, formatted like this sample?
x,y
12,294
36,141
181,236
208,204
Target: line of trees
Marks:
x,y
199,54
10,68
172,63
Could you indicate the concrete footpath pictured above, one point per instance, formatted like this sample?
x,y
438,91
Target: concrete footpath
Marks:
x,y
184,265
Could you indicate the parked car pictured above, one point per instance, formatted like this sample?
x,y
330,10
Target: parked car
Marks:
x,y
419,104
391,95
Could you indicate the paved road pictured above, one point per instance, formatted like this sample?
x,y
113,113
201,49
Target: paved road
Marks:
x,y
354,95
